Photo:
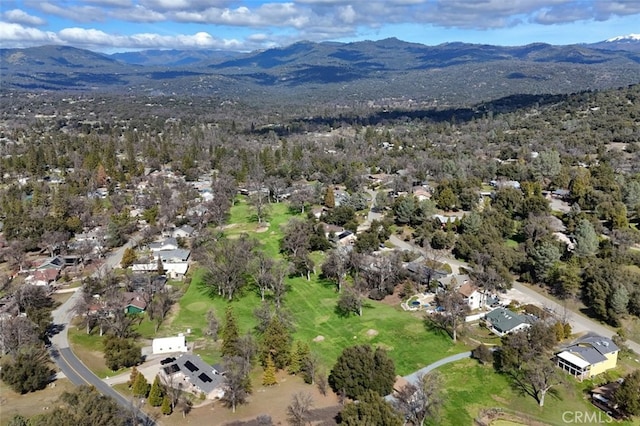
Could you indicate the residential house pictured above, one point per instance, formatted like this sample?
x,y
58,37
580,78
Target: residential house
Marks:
x,y
603,398
168,244
165,345
134,303
422,273
346,238
191,374
474,297
588,357
185,231
502,321
56,262
42,277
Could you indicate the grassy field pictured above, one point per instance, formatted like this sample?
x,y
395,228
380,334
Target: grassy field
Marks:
x,y
483,388
312,304
89,349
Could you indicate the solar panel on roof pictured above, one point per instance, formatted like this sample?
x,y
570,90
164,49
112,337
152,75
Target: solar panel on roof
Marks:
x,y
191,366
173,368
205,378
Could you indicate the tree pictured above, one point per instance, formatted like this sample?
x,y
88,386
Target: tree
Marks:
x,y
212,325
269,376
259,203
586,239
261,272
483,354
276,342
227,265
370,409
28,370
359,368
300,408
140,386
627,396
15,333
298,358
335,267
455,310
166,406
230,335
329,198
128,257
350,301
155,394
86,406
541,375
121,352
421,400
236,382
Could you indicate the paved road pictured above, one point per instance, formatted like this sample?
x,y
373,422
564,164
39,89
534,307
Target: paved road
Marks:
x,y
413,377
579,322
65,359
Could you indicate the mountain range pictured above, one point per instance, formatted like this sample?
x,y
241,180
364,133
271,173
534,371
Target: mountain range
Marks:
x,y
330,71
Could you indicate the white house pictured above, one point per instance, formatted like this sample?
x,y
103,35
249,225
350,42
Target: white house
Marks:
x,y
165,345
472,295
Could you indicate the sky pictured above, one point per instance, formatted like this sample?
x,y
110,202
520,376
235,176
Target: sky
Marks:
x,y
125,25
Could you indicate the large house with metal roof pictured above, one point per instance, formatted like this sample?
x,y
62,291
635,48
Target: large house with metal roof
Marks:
x,y
503,321
588,357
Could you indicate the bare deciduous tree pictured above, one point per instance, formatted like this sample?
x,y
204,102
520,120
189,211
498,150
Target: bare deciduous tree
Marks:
x,y
420,400
300,408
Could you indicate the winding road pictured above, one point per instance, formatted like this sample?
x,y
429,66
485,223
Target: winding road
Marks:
x,y
66,360
579,322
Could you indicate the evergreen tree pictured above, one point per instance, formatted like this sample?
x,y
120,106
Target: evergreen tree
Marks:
x,y
586,239
370,409
627,396
269,377
128,257
299,356
166,406
359,369
141,386
132,377
276,341
155,394
329,198
230,335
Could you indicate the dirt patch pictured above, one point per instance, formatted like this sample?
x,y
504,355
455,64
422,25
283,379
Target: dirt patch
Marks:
x,y
30,404
263,228
272,401
318,339
371,332
393,299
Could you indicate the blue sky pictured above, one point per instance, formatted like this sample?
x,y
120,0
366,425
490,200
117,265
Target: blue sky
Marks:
x,y
120,25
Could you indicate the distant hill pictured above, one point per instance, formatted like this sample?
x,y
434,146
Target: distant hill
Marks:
x,y
173,57
629,42
335,72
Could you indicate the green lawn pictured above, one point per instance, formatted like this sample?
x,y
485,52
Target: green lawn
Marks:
x,y
312,304
471,387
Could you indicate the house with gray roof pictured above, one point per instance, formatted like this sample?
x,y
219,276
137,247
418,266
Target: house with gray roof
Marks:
x,y
588,356
190,373
502,321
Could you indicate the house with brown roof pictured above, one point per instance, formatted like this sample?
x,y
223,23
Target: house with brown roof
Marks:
x,y
474,297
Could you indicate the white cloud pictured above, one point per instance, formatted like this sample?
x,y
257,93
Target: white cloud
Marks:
x,y
21,17
19,36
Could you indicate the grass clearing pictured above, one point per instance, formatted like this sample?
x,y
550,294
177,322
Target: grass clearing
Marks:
x,y
471,387
89,349
312,304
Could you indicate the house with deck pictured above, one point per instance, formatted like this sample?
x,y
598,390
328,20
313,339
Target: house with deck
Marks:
x,y
588,357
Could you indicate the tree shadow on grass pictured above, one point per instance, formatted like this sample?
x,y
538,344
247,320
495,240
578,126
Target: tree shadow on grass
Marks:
x,y
431,324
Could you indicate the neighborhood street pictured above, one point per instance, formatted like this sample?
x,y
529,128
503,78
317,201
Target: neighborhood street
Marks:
x,y
67,362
